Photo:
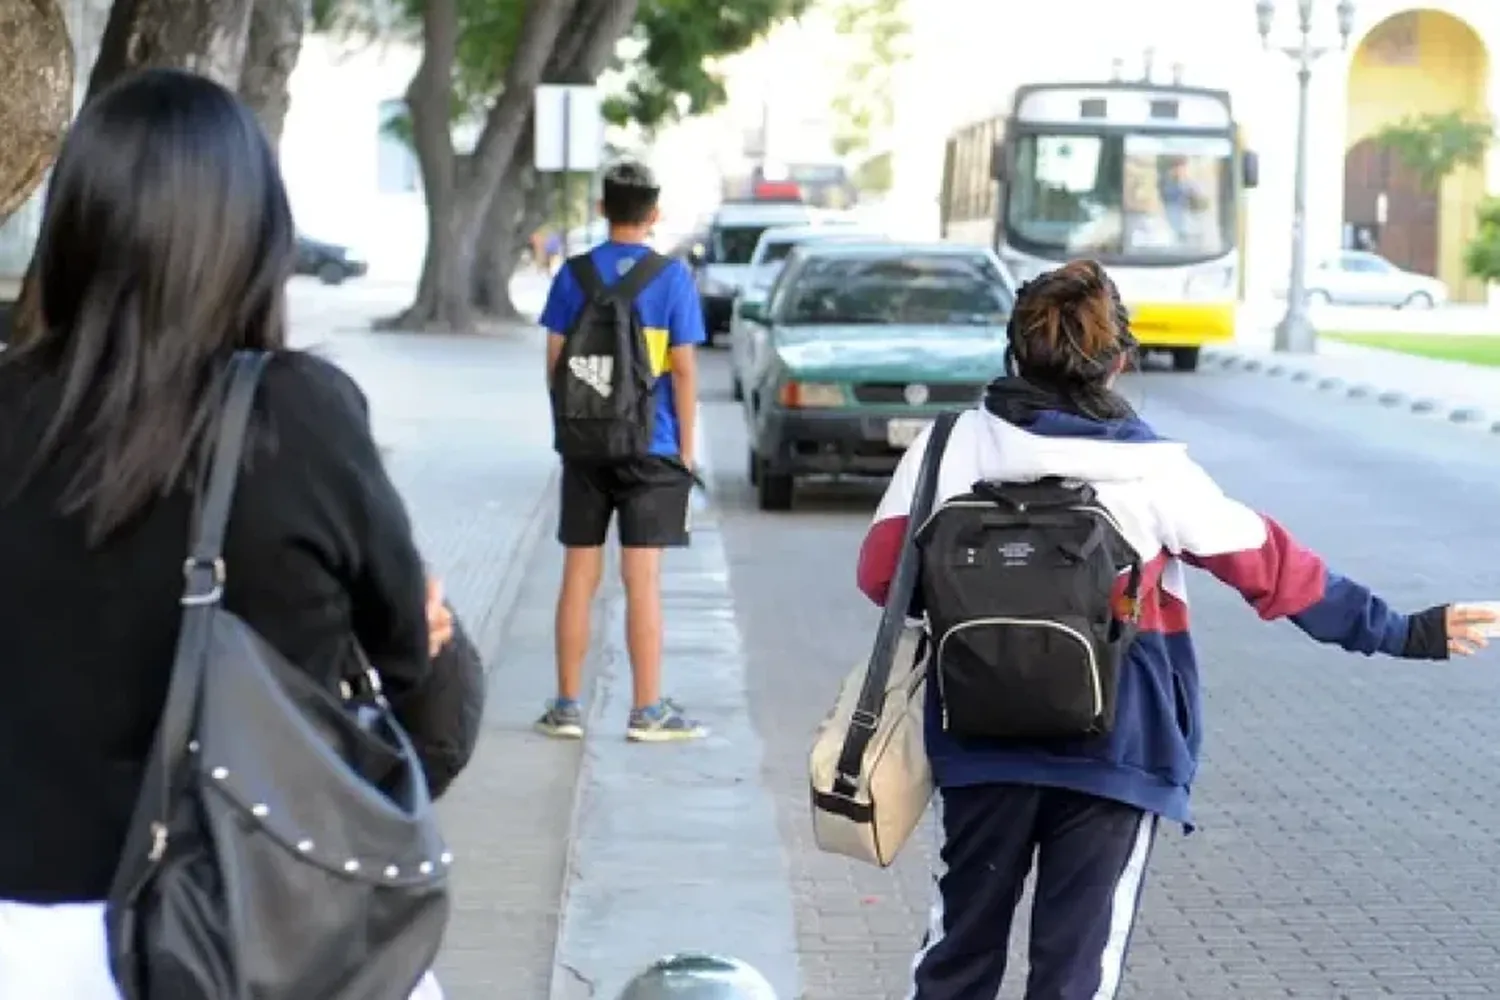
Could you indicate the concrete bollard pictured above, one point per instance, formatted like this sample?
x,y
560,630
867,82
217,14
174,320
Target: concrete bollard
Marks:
x,y
698,977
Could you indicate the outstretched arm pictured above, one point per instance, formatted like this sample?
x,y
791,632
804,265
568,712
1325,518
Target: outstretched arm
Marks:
x,y
1280,578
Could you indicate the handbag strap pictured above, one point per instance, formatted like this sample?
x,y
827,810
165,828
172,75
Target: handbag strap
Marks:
x,y
871,704
203,589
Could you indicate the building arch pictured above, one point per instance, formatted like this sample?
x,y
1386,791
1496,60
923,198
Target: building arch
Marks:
x,y
1414,62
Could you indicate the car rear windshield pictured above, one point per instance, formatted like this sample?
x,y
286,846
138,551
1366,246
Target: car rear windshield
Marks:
x,y
777,252
735,244
925,289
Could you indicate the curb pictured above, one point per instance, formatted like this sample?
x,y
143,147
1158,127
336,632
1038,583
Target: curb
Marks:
x,y
1396,399
491,629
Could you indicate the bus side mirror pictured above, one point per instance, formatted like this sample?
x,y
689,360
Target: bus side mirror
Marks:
x,y
999,167
753,312
1250,169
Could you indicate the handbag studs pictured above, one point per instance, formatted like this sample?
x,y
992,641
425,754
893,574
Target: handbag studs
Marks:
x,y
260,811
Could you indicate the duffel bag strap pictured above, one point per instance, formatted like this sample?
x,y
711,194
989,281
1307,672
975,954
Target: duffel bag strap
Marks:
x,y
893,620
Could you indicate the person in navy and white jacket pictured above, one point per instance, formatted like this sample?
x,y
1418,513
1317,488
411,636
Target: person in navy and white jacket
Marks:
x,y
1088,810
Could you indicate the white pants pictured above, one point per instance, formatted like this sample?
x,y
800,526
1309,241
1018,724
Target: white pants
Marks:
x,y
58,952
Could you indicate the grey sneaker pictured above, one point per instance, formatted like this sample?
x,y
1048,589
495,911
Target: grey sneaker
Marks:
x,y
561,721
662,723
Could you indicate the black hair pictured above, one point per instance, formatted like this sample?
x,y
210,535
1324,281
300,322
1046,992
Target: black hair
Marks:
x,y
1070,333
166,245
630,194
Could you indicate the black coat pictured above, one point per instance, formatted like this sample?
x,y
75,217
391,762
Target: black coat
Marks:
x,y
443,714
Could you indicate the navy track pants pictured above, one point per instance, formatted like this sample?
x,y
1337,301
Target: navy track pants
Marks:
x,y
1091,857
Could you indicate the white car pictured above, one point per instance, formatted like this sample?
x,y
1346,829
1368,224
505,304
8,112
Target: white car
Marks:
x,y
1360,278
771,252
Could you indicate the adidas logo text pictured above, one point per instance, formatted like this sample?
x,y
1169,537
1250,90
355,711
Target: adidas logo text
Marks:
x,y
595,371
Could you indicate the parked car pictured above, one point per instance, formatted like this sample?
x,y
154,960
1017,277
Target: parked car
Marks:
x,y
859,346
721,263
771,252
1360,278
328,262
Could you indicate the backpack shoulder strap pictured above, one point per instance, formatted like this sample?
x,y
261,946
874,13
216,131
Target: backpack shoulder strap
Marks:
x,y
586,273
641,274
893,619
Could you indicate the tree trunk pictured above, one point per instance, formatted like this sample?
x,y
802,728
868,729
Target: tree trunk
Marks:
x,y
275,41
457,214
519,201
203,36
516,210
442,300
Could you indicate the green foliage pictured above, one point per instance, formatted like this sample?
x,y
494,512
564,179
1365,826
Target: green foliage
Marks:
x,y
674,75
1435,145
875,175
1482,255
864,107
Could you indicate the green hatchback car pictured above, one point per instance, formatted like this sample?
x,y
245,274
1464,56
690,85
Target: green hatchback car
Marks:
x,y
857,348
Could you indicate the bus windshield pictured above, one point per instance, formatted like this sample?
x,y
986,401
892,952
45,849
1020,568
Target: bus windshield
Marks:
x,y
1123,196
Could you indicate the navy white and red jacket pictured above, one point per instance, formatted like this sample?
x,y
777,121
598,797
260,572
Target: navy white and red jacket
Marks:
x,y
1175,516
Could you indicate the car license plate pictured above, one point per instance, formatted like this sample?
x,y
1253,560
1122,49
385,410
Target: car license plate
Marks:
x,y
901,433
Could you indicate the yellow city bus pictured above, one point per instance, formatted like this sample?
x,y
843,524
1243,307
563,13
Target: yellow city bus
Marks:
x,y
1148,179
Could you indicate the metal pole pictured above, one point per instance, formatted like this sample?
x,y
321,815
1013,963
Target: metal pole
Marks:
x,y
1295,333
566,210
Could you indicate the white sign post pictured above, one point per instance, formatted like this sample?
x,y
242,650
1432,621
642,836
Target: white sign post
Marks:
x,y
569,136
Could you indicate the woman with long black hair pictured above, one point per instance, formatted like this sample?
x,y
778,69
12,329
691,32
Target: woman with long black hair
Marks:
x,y
166,245
1084,810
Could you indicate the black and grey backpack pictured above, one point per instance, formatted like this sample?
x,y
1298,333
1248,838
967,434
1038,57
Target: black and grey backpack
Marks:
x,y
603,407
1017,583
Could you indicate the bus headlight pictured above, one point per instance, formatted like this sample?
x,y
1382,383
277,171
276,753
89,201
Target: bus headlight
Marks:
x,y
1209,283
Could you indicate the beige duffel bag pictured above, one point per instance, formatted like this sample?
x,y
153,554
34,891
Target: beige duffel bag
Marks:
x,y
870,817
871,780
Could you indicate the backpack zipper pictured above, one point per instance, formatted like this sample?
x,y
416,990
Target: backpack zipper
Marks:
x,y
1095,509
1095,686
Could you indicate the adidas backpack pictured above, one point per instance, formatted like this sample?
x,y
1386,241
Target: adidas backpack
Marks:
x,y
603,402
1017,583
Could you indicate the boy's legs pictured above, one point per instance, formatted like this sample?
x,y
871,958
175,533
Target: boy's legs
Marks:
x,y
584,511
653,516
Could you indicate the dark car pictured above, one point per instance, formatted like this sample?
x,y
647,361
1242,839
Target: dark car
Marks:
x,y
328,262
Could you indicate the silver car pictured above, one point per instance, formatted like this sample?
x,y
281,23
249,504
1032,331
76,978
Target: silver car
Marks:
x,y
1360,278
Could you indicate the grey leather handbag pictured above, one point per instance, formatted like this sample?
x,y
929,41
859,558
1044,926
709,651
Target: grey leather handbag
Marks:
x,y
284,846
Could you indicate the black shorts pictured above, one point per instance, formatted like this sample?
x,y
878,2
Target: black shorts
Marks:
x,y
650,493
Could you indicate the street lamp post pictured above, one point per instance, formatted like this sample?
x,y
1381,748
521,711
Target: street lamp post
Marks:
x,y
1295,333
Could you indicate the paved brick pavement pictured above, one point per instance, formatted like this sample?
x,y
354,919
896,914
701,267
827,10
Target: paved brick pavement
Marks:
x,y
1346,847
463,421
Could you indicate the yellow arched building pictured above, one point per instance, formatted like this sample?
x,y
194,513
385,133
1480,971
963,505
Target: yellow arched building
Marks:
x,y
1411,63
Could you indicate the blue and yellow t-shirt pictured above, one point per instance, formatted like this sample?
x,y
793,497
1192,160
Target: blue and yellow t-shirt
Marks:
x,y
669,311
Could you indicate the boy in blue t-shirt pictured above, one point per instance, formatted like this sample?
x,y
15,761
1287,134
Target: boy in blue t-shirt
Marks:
x,y
650,493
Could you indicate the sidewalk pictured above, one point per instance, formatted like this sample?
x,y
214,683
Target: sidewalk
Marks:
x,y
577,863
1462,393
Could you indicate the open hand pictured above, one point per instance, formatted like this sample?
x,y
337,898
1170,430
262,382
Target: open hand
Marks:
x,y
440,618
1465,628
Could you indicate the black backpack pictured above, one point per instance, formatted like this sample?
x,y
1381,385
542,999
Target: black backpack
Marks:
x,y
603,407
1017,583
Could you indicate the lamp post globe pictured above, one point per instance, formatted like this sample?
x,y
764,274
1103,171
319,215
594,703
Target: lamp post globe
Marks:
x,y
693,976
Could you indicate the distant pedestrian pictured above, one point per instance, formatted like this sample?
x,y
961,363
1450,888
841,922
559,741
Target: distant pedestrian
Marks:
x,y
648,490
1063,711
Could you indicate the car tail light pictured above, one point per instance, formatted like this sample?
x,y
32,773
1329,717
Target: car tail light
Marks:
x,y
796,395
